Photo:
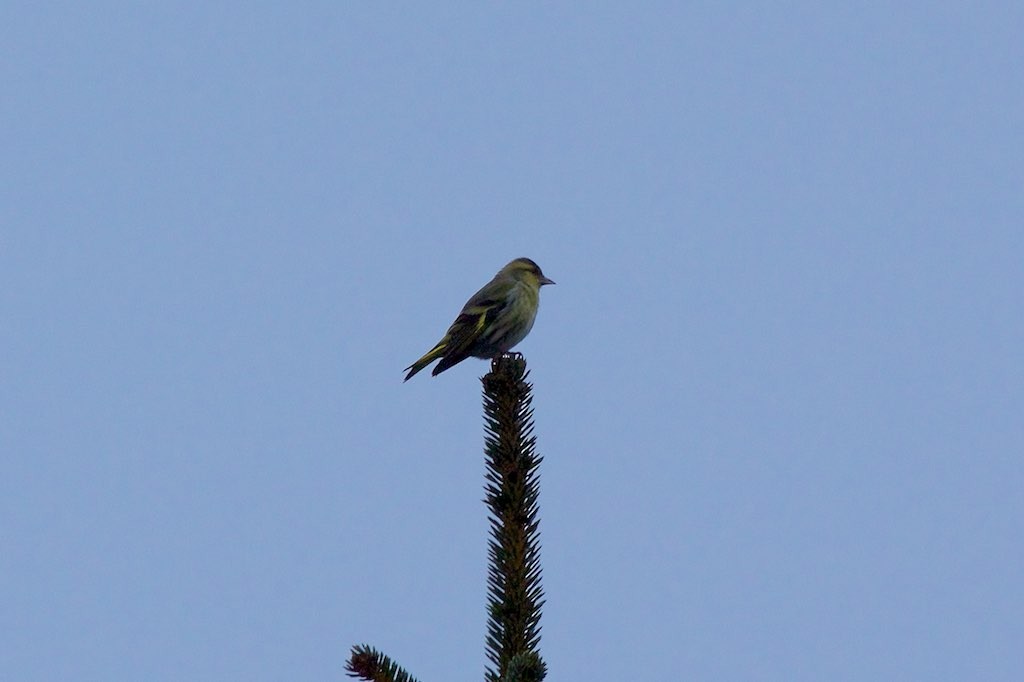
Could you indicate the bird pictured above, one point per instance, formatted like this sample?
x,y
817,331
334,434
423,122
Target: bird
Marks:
x,y
493,320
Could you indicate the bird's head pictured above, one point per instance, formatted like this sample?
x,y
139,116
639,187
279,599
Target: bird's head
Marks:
x,y
527,272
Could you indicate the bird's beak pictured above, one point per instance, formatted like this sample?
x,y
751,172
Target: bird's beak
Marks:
x,y
544,280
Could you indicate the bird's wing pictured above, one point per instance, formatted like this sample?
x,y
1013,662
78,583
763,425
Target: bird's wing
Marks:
x,y
470,325
476,317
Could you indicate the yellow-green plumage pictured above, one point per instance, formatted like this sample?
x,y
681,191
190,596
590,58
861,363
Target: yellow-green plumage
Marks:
x,y
493,320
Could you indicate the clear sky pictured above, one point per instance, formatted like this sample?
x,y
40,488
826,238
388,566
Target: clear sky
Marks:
x,y
779,386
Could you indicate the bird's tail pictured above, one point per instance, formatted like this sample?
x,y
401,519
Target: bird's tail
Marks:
x,y
431,355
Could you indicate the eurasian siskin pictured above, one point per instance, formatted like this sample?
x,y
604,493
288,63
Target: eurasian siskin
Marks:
x,y
494,320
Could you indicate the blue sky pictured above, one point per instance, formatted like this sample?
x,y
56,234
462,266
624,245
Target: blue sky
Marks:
x,y
779,386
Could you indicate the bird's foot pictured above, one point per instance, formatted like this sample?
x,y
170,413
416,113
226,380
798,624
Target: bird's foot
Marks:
x,y
509,356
